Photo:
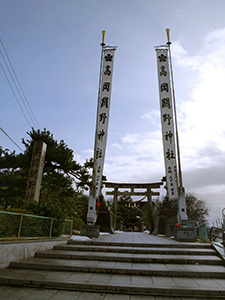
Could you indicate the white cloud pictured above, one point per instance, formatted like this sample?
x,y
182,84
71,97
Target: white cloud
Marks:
x,y
140,159
202,124
82,155
116,146
217,37
153,116
183,59
143,145
88,152
130,138
130,169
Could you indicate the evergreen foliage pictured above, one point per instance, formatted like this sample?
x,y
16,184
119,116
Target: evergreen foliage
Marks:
x,y
197,209
63,181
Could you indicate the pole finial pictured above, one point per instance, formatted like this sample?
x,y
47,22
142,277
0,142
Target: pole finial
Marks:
x,y
103,38
168,36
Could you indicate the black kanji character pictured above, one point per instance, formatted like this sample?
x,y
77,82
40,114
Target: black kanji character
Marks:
x,y
164,87
101,134
107,70
167,117
106,86
166,102
105,101
163,72
168,136
102,118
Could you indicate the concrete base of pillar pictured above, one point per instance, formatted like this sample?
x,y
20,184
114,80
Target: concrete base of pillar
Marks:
x,y
91,231
104,219
186,232
170,226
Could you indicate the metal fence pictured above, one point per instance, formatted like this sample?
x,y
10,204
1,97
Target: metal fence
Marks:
x,y
217,235
203,233
20,225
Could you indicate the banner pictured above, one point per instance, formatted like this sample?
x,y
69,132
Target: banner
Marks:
x,y
102,122
167,121
103,117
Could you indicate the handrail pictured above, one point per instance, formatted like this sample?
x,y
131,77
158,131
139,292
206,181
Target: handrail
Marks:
x,y
219,233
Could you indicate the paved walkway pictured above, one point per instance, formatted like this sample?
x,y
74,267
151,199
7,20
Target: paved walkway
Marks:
x,y
135,237
19,293
22,293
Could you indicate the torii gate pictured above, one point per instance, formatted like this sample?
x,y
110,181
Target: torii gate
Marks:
x,y
132,186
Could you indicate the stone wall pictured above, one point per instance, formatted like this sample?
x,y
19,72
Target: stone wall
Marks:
x,y
10,251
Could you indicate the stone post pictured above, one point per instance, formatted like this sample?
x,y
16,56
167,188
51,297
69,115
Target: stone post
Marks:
x,y
35,174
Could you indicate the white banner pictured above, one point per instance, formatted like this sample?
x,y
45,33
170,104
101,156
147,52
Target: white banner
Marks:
x,y
168,133
103,118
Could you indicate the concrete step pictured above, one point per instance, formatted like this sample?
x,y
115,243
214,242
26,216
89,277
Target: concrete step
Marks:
x,y
109,265
188,271
113,283
135,258
172,244
137,250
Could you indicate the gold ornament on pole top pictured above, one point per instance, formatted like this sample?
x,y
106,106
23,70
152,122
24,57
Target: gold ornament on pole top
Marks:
x,y
103,37
168,36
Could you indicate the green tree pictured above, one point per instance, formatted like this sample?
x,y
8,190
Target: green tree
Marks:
x,y
12,179
59,158
148,216
61,174
79,211
63,178
127,212
197,209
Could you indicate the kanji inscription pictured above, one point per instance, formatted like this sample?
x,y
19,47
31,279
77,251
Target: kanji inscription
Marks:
x,y
167,122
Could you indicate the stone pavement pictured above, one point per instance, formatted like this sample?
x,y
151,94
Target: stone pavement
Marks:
x,y
127,265
23,293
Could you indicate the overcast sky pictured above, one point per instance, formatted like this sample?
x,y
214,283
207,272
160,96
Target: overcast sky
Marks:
x,y
54,48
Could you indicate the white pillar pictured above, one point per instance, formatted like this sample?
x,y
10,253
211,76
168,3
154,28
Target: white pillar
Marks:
x,y
91,215
182,210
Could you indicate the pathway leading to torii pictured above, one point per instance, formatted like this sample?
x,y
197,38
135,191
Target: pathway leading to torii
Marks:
x,y
127,265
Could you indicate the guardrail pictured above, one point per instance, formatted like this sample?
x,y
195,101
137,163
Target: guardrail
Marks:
x,y
20,225
217,235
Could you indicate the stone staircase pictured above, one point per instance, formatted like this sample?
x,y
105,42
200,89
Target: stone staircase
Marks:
x,y
185,270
